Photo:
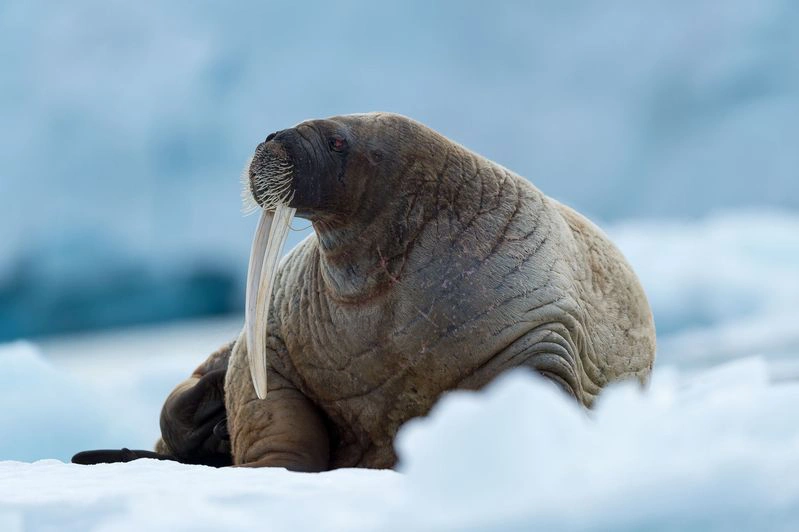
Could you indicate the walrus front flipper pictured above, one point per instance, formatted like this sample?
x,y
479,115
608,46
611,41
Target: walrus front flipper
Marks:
x,y
194,421
111,456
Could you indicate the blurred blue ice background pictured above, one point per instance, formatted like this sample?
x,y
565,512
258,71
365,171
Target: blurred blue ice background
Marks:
x,y
125,126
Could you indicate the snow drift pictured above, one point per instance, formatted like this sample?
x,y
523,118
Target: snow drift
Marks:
x,y
721,287
716,451
45,412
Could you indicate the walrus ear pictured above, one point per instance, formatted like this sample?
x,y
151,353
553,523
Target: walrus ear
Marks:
x,y
374,156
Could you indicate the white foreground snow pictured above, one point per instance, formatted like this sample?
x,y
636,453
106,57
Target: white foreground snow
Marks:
x,y
712,444
718,451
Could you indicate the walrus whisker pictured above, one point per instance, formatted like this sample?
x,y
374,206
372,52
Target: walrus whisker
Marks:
x,y
249,204
273,178
292,228
277,188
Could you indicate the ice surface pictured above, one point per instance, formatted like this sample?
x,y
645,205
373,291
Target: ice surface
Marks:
x,y
45,412
103,390
715,451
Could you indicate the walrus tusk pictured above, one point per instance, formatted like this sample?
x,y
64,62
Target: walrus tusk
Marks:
x,y
267,245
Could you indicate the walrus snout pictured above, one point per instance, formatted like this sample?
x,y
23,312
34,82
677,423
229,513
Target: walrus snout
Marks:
x,y
318,153
270,174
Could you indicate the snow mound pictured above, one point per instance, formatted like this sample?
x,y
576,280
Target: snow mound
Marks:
x,y
715,450
720,449
722,287
47,412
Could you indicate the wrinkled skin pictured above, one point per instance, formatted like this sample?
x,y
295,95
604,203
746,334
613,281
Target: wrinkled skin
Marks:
x,y
431,268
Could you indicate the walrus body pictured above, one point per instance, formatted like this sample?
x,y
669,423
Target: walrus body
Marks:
x,y
431,268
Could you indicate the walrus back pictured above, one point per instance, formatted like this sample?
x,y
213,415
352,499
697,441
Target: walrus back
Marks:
x,y
619,322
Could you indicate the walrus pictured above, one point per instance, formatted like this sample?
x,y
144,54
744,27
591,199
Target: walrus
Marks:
x,y
430,268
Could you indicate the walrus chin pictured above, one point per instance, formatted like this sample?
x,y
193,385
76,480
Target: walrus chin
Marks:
x,y
268,185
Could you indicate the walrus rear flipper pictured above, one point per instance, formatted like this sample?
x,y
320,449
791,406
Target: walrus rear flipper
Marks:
x,y
110,456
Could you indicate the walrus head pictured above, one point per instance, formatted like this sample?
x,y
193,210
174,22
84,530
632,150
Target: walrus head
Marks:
x,y
340,173
307,169
329,170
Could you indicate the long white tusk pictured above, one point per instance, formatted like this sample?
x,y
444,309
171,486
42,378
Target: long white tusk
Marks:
x,y
267,245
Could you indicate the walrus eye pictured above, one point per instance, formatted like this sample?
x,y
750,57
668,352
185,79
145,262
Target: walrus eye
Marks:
x,y
337,144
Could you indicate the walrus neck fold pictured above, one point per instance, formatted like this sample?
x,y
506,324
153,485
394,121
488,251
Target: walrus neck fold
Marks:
x,y
359,261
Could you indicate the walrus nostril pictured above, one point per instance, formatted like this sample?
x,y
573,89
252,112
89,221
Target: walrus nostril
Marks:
x,y
271,136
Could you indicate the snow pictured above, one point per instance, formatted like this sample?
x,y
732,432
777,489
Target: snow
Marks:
x,y
712,444
100,390
721,287
713,451
716,448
